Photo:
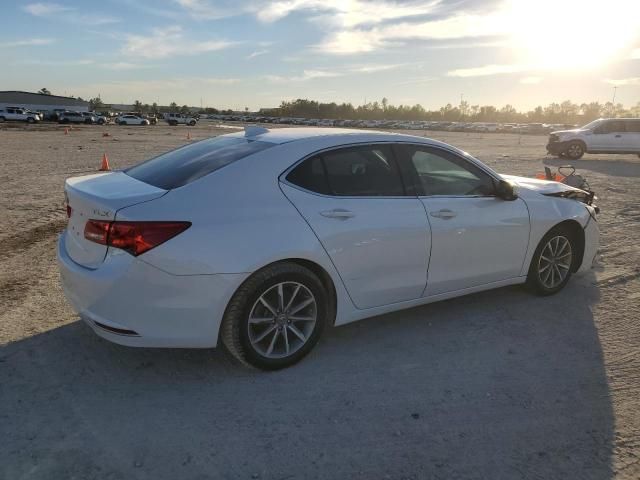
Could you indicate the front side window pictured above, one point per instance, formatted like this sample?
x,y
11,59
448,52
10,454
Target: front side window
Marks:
x,y
443,173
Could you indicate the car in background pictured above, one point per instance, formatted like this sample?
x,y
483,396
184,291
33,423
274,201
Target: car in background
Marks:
x,y
95,117
605,135
180,119
310,228
132,120
17,114
74,117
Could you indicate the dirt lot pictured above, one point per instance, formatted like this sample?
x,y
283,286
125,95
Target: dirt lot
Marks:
x,y
498,385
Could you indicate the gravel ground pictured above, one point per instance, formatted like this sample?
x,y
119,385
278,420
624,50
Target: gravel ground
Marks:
x,y
497,385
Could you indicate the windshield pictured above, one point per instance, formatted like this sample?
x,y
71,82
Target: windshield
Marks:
x,y
591,125
190,162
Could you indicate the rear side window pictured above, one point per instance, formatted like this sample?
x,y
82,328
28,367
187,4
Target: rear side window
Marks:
x,y
363,172
633,126
184,165
367,171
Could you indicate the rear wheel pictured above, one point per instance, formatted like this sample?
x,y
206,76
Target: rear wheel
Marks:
x,y
192,123
550,267
31,120
575,150
2,119
276,317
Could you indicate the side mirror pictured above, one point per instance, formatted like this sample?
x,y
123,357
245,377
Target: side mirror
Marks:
x,y
506,191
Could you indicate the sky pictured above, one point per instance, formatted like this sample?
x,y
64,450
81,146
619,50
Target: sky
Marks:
x,y
256,53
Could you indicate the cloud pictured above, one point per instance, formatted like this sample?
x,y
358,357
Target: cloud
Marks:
x,y
27,42
257,53
635,54
46,9
205,10
623,81
123,66
485,70
59,63
169,42
68,14
530,80
305,76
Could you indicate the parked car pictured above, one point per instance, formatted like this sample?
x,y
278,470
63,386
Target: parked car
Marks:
x,y
17,114
75,117
131,120
180,119
95,117
605,135
259,240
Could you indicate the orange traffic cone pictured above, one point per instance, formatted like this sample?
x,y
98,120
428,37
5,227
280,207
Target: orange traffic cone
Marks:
x,y
105,163
66,131
188,135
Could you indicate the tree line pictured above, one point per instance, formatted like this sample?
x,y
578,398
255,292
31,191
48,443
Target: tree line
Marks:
x,y
565,112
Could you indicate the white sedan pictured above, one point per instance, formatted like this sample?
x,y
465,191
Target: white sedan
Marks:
x,y
131,120
262,239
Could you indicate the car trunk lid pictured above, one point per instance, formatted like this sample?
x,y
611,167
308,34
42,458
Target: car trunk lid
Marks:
x,y
99,197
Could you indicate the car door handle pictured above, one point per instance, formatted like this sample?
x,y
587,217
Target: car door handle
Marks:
x,y
445,214
339,213
618,136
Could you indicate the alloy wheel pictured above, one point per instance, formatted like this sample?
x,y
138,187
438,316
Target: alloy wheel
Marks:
x,y
282,320
555,262
574,151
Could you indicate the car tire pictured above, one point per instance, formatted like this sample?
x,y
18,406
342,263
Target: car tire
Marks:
x,y
261,327
31,120
552,262
101,121
122,123
2,119
575,150
192,123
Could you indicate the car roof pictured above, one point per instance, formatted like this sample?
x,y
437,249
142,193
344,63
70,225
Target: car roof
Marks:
x,y
341,135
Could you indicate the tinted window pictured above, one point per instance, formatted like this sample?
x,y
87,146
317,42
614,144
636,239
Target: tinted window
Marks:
x,y
363,172
310,175
633,126
614,126
444,173
186,164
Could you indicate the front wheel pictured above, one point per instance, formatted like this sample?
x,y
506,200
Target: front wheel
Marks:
x,y
575,150
276,317
550,267
192,123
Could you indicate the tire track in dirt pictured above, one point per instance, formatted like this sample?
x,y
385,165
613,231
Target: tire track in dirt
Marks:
x,y
25,239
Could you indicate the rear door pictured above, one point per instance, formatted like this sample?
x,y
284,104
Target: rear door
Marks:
x,y
632,136
476,237
609,137
376,235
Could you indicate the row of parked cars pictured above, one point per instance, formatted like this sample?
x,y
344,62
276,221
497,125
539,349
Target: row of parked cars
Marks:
x,y
20,114
527,128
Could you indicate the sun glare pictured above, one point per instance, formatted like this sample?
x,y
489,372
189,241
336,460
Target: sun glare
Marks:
x,y
571,34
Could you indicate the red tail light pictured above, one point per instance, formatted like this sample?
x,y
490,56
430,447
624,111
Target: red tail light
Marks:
x,y
133,237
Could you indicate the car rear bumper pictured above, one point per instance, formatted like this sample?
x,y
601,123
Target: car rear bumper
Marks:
x,y
133,303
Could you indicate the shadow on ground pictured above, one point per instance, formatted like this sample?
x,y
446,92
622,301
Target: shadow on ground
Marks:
x,y
613,167
498,385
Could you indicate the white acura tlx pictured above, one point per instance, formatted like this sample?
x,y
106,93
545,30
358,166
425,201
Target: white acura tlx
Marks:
x,y
261,239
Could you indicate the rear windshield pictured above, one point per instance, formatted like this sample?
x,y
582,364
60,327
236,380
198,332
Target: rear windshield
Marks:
x,y
186,164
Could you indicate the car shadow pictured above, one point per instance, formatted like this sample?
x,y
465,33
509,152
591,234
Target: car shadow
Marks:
x,y
615,167
501,384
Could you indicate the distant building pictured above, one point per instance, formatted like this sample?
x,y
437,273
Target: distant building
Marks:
x,y
38,102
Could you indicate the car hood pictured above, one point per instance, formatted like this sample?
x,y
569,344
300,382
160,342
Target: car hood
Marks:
x,y
544,187
564,132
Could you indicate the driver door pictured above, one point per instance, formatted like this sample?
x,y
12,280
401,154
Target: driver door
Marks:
x,y
477,238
